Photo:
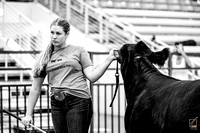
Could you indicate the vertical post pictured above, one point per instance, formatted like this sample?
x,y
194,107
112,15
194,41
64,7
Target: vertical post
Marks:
x,y
21,76
107,24
57,6
6,66
3,17
100,28
1,109
51,5
91,89
20,36
105,109
119,112
68,10
112,112
170,64
86,21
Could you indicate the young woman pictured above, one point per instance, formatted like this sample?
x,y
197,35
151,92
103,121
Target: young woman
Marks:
x,y
67,68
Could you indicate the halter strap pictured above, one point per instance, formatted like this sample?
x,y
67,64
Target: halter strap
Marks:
x,y
117,84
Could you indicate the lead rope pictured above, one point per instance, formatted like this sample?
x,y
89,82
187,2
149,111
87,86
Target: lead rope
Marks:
x,y
117,84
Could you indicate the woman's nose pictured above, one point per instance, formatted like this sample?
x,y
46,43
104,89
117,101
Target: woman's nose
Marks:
x,y
54,36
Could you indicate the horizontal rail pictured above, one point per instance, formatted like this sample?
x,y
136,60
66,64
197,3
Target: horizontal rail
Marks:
x,y
19,52
11,69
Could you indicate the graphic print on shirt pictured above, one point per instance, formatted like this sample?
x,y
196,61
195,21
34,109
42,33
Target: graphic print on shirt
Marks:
x,y
56,60
59,63
65,70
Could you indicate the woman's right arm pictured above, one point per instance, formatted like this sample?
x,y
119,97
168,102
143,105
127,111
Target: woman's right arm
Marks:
x,y
32,99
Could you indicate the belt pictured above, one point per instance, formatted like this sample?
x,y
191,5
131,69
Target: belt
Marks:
x,y
58,94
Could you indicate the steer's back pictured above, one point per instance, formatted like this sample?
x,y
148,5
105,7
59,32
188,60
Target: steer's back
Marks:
x,y
167,108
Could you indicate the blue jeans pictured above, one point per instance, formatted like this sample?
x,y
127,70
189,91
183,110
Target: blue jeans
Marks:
x,y
72,115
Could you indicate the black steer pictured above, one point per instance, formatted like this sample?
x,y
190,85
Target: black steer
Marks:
x,y
156,103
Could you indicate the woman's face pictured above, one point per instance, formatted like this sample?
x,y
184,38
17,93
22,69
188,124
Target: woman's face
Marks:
x,y
58,36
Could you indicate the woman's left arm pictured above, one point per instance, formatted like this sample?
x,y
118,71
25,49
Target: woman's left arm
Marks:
x,y
94,73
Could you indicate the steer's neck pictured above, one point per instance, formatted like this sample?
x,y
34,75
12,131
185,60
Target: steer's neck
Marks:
x,y
135,75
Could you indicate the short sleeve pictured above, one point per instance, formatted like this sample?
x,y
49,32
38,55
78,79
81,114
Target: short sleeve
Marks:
x,y
85,59
39,71
40,74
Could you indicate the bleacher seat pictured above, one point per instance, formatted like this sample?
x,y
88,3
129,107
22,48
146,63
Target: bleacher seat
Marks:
x,y
172,5
170,21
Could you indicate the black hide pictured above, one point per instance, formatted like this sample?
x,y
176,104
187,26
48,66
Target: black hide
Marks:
x,y
155,102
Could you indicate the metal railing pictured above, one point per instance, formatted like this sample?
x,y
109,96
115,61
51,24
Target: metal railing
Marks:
x,y
105,119
20,34
191,72
19,28
104,28
18,70
14,99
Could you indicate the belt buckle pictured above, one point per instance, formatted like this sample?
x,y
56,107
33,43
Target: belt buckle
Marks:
x,y
60,96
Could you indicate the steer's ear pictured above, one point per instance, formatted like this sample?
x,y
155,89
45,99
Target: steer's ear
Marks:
x,y
160,57
142,47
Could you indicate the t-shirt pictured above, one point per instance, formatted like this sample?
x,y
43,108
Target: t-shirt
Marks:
x,y
65,70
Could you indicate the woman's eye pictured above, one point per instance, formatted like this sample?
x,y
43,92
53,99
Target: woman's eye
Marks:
x,y
58,33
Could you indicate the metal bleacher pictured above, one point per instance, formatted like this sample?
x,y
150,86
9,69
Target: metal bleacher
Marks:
x,y
173,5
108,26
169,21
115,25
20,40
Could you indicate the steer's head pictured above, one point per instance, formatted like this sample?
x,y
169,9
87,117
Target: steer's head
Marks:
x,y
130,52
135,60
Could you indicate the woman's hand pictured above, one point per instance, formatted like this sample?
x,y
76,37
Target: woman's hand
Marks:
x,y
27,120
94,73
113,54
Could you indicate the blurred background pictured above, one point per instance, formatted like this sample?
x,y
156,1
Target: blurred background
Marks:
x,y
98,26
